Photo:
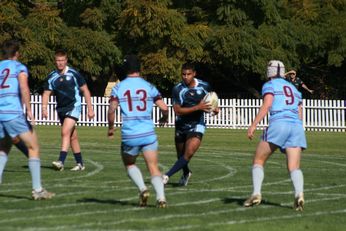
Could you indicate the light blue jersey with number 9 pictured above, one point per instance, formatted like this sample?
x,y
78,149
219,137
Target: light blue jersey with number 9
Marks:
x,y
286,100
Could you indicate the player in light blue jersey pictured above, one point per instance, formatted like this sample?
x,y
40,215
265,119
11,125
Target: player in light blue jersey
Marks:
x,y
14,92
67,84
283,102
136,98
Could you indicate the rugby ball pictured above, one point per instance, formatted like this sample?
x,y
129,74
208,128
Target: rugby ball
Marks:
x,y
212,99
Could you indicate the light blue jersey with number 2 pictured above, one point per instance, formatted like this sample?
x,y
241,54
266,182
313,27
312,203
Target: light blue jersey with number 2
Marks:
x,y
10,100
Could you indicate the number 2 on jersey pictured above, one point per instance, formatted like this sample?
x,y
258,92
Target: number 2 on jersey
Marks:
x,y
142,95
6,72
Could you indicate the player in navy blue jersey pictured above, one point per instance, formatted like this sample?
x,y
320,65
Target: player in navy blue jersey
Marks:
x,y
283,101
296,81
189,108
66,83
136,98
14,92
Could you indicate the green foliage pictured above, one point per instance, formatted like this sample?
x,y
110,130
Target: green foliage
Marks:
x,y
93,18
91,51
232,40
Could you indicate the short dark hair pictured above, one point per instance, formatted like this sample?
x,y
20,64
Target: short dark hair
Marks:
x,y
131,64
188,66
9,48
60,52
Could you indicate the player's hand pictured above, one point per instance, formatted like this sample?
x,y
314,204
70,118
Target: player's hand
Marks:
x,y
30,116
251,132
163,121
216,111
311,91
44,113
110,133
204,106
91,114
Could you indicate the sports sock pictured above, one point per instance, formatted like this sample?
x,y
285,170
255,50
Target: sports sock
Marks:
x,y
136,176
157,183
78,158
298,181
257,179
3,161
35,170
186,169
179,164
62,156
22,147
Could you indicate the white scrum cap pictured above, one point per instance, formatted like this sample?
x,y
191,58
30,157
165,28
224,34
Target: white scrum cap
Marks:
x,y
275,68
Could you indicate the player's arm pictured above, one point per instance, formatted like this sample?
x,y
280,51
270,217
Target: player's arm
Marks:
x,y
306,88
164,110
85,90
202,106
45,98
25,93
263,111
300,111
113,104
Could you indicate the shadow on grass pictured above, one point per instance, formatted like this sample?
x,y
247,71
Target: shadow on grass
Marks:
x,y
15,197
18,169
240,202
172,184
48,167
110,201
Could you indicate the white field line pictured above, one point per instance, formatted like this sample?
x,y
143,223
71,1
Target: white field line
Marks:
x,y
232,188
98,168
188,215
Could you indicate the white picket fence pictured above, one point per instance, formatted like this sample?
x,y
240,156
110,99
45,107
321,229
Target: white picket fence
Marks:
x,y
319,115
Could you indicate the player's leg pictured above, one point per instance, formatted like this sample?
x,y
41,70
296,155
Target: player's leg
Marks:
x,y
151,160
192,144
129,156
75,146
29,138
179,140
293,165
180,147
5,147
67,127
263,151
294,145
20,146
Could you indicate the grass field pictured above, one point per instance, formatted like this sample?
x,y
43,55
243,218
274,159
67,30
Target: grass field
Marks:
x,y
103,198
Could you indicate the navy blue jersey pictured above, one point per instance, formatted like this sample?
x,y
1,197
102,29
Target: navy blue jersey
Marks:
x,y
297,82
189,97
66,88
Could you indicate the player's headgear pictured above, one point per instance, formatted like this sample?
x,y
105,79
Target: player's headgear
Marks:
x,y
275,68
131,64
